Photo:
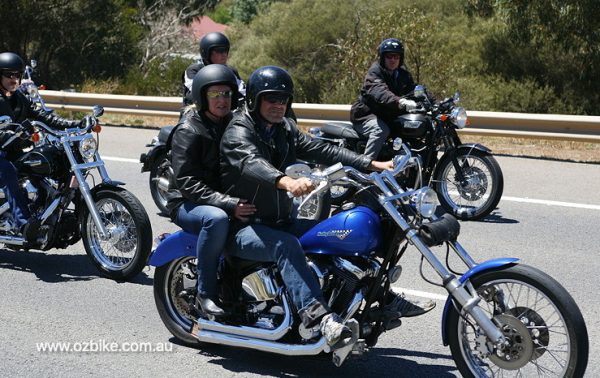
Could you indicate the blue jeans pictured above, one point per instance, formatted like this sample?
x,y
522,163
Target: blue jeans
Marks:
x,y
14,195
211,224
259,242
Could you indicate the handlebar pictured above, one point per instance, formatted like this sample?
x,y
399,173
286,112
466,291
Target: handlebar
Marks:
x,y
336,173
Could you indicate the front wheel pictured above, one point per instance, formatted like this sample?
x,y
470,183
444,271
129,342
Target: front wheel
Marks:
x,y
479,191
124,253
545,332
174,294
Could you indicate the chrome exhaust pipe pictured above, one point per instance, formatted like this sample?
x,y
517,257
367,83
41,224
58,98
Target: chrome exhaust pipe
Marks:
x,y
12,240
262,345
202,325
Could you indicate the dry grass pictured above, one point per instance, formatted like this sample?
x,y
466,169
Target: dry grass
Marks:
x,y
550,149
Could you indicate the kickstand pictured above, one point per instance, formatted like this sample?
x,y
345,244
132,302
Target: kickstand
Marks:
x,y
341,353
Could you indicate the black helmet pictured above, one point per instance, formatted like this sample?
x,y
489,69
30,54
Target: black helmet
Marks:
x,y
213,74
209,42
391,45
11,62
268,79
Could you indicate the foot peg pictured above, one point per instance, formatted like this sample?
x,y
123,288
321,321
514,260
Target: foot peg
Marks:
x,y
342,351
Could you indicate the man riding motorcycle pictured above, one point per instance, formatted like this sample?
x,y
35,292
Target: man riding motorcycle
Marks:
x,y
214,49
18,107
257,146
380,99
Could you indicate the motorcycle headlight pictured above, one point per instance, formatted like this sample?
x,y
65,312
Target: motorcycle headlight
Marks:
x,y
458,116
87,147
425,201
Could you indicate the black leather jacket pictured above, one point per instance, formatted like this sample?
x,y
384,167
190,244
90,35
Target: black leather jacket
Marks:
x,y
20,108
195,162
251,164
380,94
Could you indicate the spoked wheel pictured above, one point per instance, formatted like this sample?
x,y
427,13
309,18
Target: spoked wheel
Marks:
x,y
124,253
545,332
160,180
478,194
174,294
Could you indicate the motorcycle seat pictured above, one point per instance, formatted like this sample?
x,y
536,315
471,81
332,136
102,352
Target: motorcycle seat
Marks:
x,y
164,132
340,129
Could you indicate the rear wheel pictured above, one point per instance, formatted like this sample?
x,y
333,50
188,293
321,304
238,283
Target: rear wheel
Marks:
x,y
174,294
544,329
160,180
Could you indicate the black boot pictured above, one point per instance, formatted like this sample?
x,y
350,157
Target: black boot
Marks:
x,y
209,307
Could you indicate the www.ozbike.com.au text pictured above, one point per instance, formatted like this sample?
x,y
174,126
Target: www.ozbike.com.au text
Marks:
x,y
103,346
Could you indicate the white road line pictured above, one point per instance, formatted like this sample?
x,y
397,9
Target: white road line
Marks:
x,y
125,160
504,198
552,203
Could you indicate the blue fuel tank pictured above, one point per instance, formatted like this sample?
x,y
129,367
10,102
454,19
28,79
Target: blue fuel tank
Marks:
x,y
354,232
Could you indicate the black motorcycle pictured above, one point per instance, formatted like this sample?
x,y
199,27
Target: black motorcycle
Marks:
x,y
54,175
157,161
466,177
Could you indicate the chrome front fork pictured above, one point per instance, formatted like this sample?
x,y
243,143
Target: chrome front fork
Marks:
x,y
468,302
86,193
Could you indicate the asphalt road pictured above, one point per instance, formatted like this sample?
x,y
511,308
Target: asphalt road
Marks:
x,y
549,218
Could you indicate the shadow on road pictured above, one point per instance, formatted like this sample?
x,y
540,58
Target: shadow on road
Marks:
x,y
54,267
496,217
378,362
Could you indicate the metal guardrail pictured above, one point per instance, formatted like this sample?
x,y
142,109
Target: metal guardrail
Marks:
x,y
515,125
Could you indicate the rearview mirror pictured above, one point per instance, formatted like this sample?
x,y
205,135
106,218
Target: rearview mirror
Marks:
x,y
297,170
419,91
98,111
5,119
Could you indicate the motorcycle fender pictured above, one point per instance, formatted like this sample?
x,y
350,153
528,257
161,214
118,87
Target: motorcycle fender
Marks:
x,y
149,159
483,267
473,146
112,185
174,246
466,146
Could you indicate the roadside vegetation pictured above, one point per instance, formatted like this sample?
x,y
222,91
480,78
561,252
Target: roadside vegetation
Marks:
x,y
510,55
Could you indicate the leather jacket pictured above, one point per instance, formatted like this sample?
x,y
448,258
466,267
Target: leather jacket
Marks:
x,y
252,163
195,162
20,108
380,94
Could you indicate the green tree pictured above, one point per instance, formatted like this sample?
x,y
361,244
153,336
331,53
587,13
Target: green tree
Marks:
x,y
553,43
68,38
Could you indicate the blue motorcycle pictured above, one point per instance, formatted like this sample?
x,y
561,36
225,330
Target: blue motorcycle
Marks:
x,y
501,318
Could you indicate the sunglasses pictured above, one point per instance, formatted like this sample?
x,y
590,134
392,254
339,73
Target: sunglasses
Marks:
x,y
217,94
392,56
220,50
12,74
276,99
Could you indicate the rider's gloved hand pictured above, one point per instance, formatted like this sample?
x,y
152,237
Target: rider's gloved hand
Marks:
x,y
406,104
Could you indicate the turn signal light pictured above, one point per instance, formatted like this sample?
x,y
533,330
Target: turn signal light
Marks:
x,y
97,128
35,137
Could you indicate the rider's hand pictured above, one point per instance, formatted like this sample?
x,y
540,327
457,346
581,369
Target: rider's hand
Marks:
x,y
381,165
407,105
297,187
243,210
